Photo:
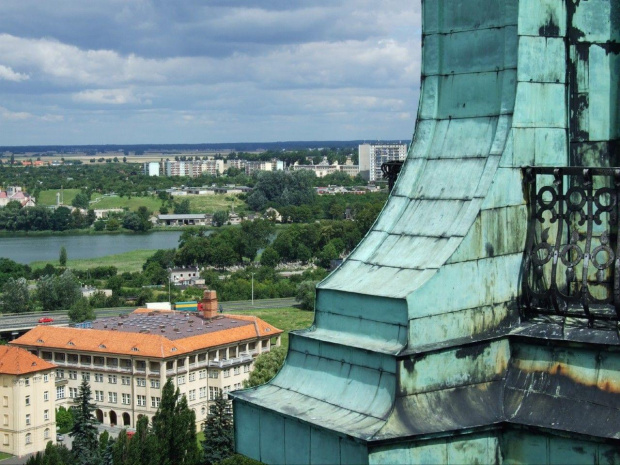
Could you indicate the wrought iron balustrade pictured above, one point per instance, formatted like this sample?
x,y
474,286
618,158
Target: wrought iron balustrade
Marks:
x,y
572,263
390,171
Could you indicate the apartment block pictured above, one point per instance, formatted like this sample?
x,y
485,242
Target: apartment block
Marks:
x,y
128,359
27,411
372,156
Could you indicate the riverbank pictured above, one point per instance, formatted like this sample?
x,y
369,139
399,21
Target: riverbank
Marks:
x,y
124,262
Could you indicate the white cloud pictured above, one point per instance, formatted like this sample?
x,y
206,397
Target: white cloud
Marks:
x,y
8,74
7,114
109,97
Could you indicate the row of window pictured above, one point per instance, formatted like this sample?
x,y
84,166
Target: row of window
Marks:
x,y
46,435
46,417
46,378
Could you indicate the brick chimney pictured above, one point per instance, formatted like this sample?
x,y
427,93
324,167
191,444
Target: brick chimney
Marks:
x,y
209,304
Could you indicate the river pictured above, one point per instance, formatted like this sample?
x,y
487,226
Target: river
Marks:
x,y
27,249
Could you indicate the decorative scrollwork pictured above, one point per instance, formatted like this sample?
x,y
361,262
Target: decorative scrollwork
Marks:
x,y
572,264
390,171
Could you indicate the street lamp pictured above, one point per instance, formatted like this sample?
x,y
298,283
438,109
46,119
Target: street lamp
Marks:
x,y
169,280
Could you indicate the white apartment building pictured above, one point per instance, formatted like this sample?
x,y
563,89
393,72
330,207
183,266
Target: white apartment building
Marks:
x,y
27,412
372,156
151,168
193,168
128,359
324,168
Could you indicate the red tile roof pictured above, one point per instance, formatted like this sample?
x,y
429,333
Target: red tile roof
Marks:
x,y
17,361
140,344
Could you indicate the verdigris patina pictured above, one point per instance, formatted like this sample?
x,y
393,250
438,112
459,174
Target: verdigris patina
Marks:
x,y
424,347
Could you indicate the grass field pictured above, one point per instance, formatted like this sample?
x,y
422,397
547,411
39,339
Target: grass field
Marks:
x,y
129,261
4,455
48,197
212,203
286,319
101,202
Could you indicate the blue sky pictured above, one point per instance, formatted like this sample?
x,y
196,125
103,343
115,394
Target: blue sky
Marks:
x,y
194,71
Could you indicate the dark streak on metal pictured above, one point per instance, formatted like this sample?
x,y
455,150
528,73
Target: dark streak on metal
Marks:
x,y
473,350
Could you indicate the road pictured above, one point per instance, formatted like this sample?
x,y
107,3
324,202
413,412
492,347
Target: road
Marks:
x,y
22,321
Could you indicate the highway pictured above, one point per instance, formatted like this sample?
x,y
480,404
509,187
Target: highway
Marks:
x,y
23,321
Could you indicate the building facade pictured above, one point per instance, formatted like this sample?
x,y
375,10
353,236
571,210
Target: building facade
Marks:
x,y
193,168
372,156
128,359
27,412
151,168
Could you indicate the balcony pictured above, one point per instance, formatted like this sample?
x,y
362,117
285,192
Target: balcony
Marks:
x,y
243,358
572,262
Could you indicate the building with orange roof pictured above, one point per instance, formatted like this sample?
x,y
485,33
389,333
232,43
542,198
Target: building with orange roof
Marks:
x,y
129,358
27,412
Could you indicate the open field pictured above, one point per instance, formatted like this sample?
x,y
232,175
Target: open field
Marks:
x,y
212,203
129,261
102,202
48,197
286,319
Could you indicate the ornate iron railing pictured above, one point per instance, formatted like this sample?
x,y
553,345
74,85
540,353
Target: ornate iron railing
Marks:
x,y
390,172
572,263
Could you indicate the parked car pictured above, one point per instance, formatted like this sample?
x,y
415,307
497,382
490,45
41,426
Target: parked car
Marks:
x,y
60,437
46,319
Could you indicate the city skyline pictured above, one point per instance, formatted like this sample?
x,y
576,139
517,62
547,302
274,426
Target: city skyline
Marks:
x,y
118,72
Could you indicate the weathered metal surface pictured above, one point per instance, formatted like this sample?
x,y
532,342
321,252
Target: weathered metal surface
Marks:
x,y
574,269
418,352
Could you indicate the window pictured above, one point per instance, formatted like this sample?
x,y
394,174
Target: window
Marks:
x,y
213,374
213,392
141,401
192,377
112,379
73,392
237,386
203,392
192,394
155,383
126,399
6,420
27,381
27,401
202,374
28,438
246,368
226,373
141,381
6,439
72,374
112,397
27,418
60,392
60,374
99,377
86,376
203,410
237,370
46,396
126,380
46,433
99,396
5,401
46,414
155,401
46,378
181,380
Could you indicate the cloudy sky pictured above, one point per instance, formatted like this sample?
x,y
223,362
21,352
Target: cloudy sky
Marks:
x,y
193,71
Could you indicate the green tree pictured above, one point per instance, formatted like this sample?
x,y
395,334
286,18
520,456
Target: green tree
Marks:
x,y
270,257
220,218
85,445
62,259
99,225
219,442
182,207
266,367
306,291
81,311
81,200
58,292
174,426
64,419
113,224
15,296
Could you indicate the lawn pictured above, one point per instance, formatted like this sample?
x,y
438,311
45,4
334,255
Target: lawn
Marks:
x,y
103,202
48,197
129,261
286,319
212,203
4,455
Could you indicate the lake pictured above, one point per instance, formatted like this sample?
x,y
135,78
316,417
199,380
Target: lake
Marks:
x,y
26,249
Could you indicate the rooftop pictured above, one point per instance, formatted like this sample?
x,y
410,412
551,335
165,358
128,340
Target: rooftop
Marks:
x,y
16,361
150,335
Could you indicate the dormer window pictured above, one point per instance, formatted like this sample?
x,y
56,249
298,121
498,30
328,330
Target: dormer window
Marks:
x,y
134,349
70,343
